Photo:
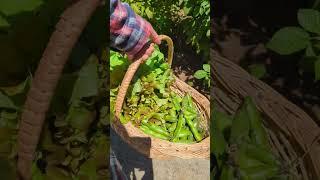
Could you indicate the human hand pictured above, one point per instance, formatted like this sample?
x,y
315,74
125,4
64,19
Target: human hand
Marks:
x,y
148,48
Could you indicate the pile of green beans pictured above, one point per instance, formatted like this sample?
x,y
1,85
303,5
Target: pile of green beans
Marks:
x,y
159,112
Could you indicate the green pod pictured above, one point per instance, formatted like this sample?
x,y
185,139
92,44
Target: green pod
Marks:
x,y
262,172
168,125
176,102
190,102
184,133
189,114
158,129
240,127
244,161
180,124
261,154
173,113
124,119
258,133
172,127
218,144
190,137
221,121
164,66
193,129
170,118
148,131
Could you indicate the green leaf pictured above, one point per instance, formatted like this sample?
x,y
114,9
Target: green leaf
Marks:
x,y
80,118
206,67
137,87
88,170
257,133
317,70
240,127
6,102
218,143
289,40
258,70
149,13
309,19
3,22
221,120
36,173
87,82
12,7
200,74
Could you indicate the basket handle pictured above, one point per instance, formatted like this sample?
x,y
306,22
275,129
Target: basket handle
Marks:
x,y
131,72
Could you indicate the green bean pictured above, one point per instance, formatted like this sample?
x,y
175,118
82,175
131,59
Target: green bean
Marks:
x,y
158,129
181,123
176,102
193,129
184,133
148,131
168,125
190,137
172,113
172,127
170,118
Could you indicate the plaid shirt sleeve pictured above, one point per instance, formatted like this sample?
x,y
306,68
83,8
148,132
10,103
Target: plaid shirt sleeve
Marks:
x,y
128,31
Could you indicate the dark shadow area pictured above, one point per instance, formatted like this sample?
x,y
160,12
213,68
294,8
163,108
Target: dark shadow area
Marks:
x,y
186,62
130,159
241,30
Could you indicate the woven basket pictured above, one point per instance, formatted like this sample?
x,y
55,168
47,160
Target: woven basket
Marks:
x,y
293,135
154,147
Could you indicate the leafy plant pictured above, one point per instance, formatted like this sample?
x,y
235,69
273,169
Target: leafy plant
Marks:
x,y
289,40
190,18
240,146
204,74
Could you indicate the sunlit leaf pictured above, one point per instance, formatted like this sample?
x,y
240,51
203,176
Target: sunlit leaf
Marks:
x,y
79,117
87,82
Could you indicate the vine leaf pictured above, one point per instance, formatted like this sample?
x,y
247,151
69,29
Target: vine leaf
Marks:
x,y
309,19
87,82
289,40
